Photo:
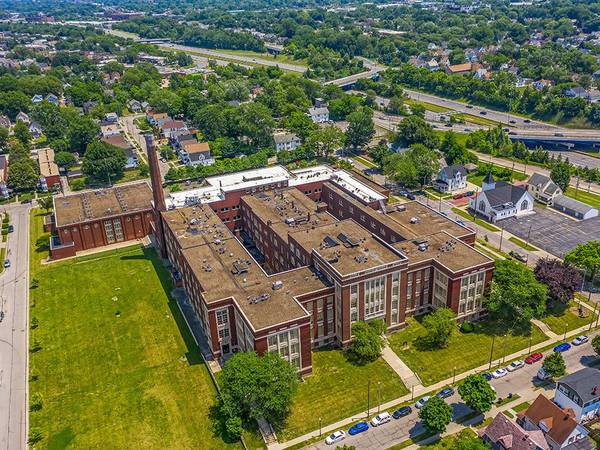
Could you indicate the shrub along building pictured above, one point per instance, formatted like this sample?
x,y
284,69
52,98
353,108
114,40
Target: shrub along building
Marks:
x,y
99,218
282,261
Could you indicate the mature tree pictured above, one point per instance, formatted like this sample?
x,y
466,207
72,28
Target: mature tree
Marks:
x,y
379,153
395,105
477,393
467,440
325,140
255,122
596,344
515,296
299,123
439,325
256,387
401,168
65,159
82,131
23,174
455,152
562,279
414,130
426,161
360,128
554,364
367,342
3,138
586,256
561,174
103,161
21,132
436,414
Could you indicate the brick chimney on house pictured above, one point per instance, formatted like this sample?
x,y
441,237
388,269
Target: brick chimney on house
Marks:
x,y
157,193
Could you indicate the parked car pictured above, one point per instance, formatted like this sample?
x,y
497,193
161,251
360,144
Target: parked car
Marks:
x,y
515,365
483,113
421,402
499,373
534,357
562,347
403,193
445,393
543,375
11,228
448,124
488,376
6,263
580,340
527,121
559,135
404,411
518,256
358,428
468,193
411,196
457,196
380,419
335,437
470,106
512,121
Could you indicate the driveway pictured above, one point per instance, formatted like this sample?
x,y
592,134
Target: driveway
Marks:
x,y
552,231
14,299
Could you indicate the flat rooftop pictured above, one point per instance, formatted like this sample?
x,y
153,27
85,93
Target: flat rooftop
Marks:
x,y
287,210
196,225
101,203
46,162
347,247
448,251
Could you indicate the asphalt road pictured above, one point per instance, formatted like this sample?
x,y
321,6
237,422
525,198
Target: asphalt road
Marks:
x,y
519,382
14,299
579,159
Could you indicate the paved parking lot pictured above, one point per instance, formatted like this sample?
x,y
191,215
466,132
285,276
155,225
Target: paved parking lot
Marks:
x,y
552,231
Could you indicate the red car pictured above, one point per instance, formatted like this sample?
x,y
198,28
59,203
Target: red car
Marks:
x,y
534,357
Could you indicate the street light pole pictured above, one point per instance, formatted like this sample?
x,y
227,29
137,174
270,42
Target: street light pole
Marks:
x,y
504,352
501,236
320,426
378,397
565,335
492,351
369,398
530,338
454,375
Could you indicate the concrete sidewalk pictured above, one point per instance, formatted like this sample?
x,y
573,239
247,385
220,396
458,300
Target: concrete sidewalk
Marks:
x,y
408,377
422,390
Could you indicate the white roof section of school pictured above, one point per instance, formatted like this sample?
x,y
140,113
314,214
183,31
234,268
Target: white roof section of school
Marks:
x,y
217,186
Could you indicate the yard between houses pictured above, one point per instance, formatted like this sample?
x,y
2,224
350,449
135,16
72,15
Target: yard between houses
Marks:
x,y
117,367
465,350
477,220
560,316
337,389
586,197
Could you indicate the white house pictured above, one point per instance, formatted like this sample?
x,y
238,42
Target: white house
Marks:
x,y
286,141
23,118
559,426
451,178
319,114
543,189
580,391
574,208
194,153
500,200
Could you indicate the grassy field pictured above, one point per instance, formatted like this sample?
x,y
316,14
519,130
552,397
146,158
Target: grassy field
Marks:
x,y
477,179
522,244
432,192
477,220
586,197
337,389
428,106
364,161
117,366
561,316
477,120
465,350
284,59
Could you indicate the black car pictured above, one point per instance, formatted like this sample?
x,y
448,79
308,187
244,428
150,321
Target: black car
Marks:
x,y
404,411
445,393
527,121
403,193
483,113
411,196
512,121
11,228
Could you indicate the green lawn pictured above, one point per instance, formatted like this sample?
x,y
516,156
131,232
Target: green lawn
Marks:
x,y
522,244
117,366
364,161
428,106
336,390
465,350
282,58
437,194
521,407
477,220
561,315
478,120
586,197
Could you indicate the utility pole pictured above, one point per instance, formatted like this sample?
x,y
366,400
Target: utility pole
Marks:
x,y
504,352
369,397
527,244
565,335
492,351
378,397
595,306
530,339
501,236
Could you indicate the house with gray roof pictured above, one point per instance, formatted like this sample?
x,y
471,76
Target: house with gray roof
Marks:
x,y
543,189
580,392
285,140
574,208
319,114
499,200
451,179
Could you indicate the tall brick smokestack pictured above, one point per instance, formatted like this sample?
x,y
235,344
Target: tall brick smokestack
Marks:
x,y
158,194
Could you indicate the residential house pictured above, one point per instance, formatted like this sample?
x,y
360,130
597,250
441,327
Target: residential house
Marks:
x,y
574,208
111,117
542,84
153,118
451,178
172,128
504,434
88,106
578,91
194,153
483,74
461,69
118,140
23,118
37,98
134,106
5,122
35,129
559,426
500,200
543,189
4,175
109,129
52,99
432,65
580,392
285,140
319,114
49,174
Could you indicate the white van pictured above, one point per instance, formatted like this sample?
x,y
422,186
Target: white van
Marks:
x,y
542,375
380,419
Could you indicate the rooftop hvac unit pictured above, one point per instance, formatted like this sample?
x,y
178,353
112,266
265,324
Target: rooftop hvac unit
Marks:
x,y
400,208
423,246
414,220
277,285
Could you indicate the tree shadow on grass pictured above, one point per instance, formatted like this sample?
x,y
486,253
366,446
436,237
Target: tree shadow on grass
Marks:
x,y
193,354
219,429
61,440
